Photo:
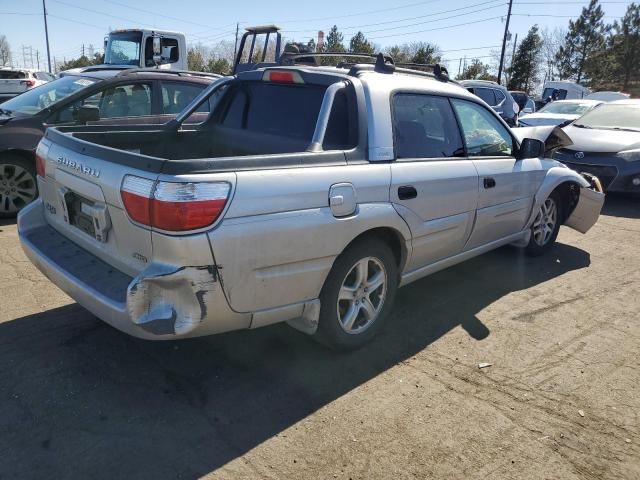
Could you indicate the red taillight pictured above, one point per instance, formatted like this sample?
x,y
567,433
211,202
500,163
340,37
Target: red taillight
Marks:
x,y
173,206
29,83
40,166
282,76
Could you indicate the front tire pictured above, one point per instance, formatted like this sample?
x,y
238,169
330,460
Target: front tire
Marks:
x,y
18,186
545,226
357,295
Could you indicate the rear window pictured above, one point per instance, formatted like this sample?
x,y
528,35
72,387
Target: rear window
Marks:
x,y
12,75
289,111
485,94
283,110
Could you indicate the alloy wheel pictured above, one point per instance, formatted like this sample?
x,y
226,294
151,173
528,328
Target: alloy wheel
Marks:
x,y
545,222
17,188
362,295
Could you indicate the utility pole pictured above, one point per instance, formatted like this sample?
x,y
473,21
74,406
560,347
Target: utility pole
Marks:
x,y
460,66
38,58
235,48
46,33
504,41
83,49
513,53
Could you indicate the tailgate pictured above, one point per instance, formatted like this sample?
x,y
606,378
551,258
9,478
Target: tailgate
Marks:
x,y
12,87
81,197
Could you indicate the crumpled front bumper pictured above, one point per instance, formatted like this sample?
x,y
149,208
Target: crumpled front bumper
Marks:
x,y
587,211
162,302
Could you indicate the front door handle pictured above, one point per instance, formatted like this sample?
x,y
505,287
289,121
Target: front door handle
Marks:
x,y
489,182
407,192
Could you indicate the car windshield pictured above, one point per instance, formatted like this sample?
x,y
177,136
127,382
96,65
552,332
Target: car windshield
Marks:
x,y
612,117
39,98
566,108
123,49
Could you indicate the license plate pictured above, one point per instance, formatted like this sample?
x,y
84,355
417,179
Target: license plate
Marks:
x,y
88,216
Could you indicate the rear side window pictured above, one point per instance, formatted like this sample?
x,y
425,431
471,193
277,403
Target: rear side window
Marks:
x,y
176,96
486,94
425,127
12,75
282,110
500,97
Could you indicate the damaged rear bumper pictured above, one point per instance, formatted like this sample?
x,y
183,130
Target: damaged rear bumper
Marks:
x,y
162,302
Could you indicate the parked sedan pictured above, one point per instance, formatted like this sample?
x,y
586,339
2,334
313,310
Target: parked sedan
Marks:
x,y
606,143
14,81
99,96
558,112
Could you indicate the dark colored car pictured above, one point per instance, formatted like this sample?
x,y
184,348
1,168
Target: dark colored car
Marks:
x,y
606,143
94,96
497,97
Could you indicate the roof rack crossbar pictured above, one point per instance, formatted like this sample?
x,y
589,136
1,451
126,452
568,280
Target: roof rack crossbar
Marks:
x,y
180,73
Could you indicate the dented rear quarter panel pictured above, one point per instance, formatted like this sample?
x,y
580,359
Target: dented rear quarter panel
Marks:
x,y
279,238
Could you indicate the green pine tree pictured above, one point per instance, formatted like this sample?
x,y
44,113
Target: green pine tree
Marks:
x,y
360,44
585,36
524,66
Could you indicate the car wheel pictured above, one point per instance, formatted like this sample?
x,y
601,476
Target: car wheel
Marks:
x,y
18,186
357,295
545,226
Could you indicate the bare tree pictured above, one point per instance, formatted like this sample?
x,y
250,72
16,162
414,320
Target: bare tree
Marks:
x,y
5,51
552,40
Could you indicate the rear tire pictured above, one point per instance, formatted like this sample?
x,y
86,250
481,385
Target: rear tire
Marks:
x,y
546,225
357,295
18,185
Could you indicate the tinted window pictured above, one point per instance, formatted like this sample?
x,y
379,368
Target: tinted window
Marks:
x,y
486,94
283,110
176,96
132,100
500,97
520,98
425,127
12,75
342,131
483,133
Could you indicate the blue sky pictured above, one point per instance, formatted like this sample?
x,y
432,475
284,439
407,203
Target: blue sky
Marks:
x,y
461,28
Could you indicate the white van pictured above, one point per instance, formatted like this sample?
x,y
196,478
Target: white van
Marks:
x,y
562,90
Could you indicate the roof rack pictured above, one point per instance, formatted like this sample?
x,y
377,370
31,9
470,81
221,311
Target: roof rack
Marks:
x,y
179,73
383,64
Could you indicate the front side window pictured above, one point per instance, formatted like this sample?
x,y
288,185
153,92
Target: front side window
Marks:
x,y
425,127
483,133
131,100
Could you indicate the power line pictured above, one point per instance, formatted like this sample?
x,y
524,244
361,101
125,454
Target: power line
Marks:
x,y
353,27
438,28
359,14
75,21
100,13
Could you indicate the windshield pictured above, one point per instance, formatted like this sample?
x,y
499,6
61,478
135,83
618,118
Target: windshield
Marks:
x,y
123,49
567,108
39,98
612,116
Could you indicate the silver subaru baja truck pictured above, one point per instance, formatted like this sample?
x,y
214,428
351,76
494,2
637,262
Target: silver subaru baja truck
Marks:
x,y
309,195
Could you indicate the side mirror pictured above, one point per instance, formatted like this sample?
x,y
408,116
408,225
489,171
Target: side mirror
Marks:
x,y
88,113
530,148
157,49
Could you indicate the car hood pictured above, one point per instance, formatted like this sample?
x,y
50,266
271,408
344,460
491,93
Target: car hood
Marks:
x,y
543,118
601,141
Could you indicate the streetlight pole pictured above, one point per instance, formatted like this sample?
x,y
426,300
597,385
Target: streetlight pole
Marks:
x,y
46,33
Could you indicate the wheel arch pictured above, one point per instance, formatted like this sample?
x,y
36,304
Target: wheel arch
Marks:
x,y
390,236
27,155
563,180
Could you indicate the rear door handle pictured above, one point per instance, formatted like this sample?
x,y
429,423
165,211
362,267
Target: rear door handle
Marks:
x,y
407,192
489,182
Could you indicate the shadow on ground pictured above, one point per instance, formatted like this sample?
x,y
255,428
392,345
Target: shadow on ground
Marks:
x,y
621,206
82,400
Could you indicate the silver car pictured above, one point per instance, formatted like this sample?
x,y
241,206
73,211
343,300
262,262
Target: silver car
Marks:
x,y
309,195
